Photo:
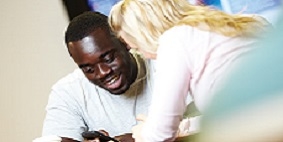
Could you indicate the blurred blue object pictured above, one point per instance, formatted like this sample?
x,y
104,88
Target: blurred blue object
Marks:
x,y
249,6
213,3
249,108
102,6
269,9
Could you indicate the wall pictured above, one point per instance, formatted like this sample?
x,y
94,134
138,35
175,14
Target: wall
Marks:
x,y
33,57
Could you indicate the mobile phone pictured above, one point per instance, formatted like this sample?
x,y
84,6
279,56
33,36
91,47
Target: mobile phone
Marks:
x,y
90,135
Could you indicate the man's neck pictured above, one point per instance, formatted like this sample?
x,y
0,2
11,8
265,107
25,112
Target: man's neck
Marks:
x,y
141,76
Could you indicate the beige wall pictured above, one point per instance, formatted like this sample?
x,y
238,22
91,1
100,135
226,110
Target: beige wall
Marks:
x,y
33,57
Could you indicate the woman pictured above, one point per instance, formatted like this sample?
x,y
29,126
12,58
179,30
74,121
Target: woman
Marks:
x,y
195,48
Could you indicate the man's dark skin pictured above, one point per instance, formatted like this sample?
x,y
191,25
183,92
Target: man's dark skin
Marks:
x,y
104,59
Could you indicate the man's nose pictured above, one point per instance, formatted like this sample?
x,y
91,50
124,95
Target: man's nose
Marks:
x,y
102,70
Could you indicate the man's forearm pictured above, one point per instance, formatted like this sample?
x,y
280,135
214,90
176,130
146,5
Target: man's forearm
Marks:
x,y
68,140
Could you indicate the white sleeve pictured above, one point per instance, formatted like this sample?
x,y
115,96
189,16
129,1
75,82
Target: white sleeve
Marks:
x,y
194,124
170,88
62,118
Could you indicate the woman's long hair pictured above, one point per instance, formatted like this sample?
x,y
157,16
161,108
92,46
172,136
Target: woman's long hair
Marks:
x,y
144,21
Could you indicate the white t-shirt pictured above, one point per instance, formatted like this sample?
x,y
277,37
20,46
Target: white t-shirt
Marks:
x,y
189,61
76,105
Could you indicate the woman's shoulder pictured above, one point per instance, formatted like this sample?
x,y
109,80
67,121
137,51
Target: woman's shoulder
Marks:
x,y
179,31
175,33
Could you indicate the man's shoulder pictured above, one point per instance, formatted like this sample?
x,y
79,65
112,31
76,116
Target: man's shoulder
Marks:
x,y
137,55
139,59
74,87
75,78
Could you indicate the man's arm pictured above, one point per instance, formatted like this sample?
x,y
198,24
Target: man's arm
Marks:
x,y
64,139
62,117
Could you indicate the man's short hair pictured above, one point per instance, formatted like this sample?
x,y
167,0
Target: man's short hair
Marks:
x,y
85,23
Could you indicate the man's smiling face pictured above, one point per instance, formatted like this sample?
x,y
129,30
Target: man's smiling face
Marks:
x,y
105,61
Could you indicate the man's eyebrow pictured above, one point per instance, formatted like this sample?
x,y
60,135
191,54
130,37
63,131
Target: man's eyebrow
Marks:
x,y
83,65
101,57
106,53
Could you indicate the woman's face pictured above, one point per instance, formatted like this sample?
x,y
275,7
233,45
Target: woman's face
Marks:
x,y
131,45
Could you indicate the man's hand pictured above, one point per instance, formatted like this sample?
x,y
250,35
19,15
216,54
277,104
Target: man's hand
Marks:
x,y
91,137
125,138
94,136
64,139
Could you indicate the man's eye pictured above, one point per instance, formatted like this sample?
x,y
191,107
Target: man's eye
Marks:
x,y
109,58
87,69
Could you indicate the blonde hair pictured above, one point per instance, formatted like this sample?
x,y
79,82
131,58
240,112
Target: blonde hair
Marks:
x,y
144,21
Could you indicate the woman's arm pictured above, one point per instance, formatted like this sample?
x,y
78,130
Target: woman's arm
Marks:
x,y
170,89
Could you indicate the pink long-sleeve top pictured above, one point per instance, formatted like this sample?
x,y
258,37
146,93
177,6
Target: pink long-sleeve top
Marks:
x,y
189,61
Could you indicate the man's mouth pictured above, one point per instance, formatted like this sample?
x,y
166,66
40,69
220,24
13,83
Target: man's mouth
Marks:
x,y
114,82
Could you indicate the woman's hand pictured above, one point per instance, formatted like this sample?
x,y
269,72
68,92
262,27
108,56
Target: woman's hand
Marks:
x,y
137,130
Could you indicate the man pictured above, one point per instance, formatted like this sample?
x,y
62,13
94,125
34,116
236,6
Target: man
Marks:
x,y
108,90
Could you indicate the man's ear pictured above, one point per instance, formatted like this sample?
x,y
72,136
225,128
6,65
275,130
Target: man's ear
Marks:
x,y
68,50
128,47
124,44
